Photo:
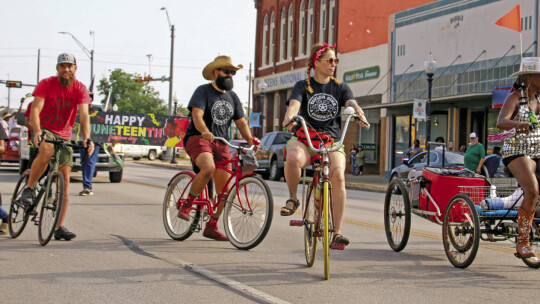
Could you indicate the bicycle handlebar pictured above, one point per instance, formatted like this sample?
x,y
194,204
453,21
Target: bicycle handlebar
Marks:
x,y
300,119
233,146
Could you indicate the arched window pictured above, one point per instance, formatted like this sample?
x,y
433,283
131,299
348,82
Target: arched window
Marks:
x,y
272,30
282,34
309,41
264,59
332,26
290,32
301,29
322,22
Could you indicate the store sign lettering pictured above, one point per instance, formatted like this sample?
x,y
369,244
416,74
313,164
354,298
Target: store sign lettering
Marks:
x,y
369,147
362,74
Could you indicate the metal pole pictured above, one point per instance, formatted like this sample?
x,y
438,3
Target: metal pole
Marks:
x,y
91,71
428,110
38,58
262,114
249,91
171,70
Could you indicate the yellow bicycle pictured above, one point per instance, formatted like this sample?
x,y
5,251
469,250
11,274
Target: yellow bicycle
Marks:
x,y
318,218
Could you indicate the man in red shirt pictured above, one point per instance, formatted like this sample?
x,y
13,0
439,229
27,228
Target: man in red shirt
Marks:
x,y
56,102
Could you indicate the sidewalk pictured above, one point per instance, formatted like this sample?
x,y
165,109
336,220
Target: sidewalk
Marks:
x,y
367,182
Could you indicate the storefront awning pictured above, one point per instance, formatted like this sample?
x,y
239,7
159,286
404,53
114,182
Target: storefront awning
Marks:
x,y
444,99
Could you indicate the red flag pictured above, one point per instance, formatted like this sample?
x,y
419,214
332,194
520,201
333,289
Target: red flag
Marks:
x,y
512,19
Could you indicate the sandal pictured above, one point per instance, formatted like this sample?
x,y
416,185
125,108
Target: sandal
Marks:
x,y
286,211
340,239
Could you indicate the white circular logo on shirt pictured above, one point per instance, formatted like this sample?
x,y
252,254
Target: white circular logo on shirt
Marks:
x,y
322,107
222,112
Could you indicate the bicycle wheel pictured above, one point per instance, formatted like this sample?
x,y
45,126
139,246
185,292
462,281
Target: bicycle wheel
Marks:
x,y
397,215
326,230
51,207
461,231
248,213
310,223
17,217
178,188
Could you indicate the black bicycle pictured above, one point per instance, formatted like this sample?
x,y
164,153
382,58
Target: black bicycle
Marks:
x,y
50,189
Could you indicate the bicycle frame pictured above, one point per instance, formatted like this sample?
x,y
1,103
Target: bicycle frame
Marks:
x,y
204,202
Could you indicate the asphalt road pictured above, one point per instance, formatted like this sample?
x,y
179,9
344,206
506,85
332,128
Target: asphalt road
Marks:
x,y
123,255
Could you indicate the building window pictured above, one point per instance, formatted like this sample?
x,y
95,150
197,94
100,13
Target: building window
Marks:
x,y
309,41
272,30
301,29
322,22
283,34
332,22
264,59
290,32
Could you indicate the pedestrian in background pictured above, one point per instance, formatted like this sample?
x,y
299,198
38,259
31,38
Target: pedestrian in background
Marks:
x,y
475,155
415,149
441,147
352,159
360,160
3,213
493,161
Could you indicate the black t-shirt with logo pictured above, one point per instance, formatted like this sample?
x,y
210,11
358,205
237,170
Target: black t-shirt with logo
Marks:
x,y
219,110
321,109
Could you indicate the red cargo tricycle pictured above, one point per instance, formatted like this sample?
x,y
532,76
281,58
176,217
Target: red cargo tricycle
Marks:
x,y
468,206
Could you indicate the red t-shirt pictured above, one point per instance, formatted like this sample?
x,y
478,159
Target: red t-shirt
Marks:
x,y
60,107
28,110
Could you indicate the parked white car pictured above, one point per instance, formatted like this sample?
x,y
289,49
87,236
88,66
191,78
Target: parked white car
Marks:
x,y
138,151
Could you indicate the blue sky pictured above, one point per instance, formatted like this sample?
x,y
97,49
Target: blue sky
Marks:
x,y
125,31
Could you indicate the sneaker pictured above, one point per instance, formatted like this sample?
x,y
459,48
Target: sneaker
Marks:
x,y
211,232
62,233
184,210
27,197
86,192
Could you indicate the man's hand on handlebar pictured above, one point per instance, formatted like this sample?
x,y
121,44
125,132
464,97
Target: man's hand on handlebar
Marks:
x,y
89,146
208,136
254,141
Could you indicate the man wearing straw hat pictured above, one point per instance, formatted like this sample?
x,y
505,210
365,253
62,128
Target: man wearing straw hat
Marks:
x,y
521,150
212,108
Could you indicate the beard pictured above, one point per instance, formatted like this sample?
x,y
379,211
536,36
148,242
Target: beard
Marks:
x,y
67,80
224,83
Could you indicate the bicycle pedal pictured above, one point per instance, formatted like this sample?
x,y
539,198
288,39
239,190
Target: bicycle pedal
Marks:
x,y
296,223
336,246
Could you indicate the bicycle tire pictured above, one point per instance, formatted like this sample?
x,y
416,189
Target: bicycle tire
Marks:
x,y
310,224
17,217
246,228
178,188
51,207
397,215
326,230
461,231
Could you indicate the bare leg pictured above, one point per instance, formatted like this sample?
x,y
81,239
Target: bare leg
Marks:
x,y
66,170
46,151
297,159
339,196
205,162
220,179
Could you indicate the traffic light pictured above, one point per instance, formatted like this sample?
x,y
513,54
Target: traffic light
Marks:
x,y
148,78
139,79
13,84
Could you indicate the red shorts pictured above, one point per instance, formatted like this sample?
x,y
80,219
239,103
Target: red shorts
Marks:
x,y
195,145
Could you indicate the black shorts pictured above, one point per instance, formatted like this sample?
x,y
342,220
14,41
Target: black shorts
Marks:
x,y
509,159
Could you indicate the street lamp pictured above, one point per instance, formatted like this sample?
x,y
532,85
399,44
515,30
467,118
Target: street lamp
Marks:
x,y
89,53
171,27
430,66
262,89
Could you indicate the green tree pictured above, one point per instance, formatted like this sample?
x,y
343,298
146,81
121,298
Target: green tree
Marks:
x,y
130,96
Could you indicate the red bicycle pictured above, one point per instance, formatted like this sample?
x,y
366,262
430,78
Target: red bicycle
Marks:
x,y
249,206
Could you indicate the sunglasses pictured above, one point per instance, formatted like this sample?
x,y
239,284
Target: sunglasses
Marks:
x,y
331,60
227,71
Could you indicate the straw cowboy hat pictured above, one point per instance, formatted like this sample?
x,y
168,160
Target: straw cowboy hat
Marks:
x,y
7,115
219,62
529,65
